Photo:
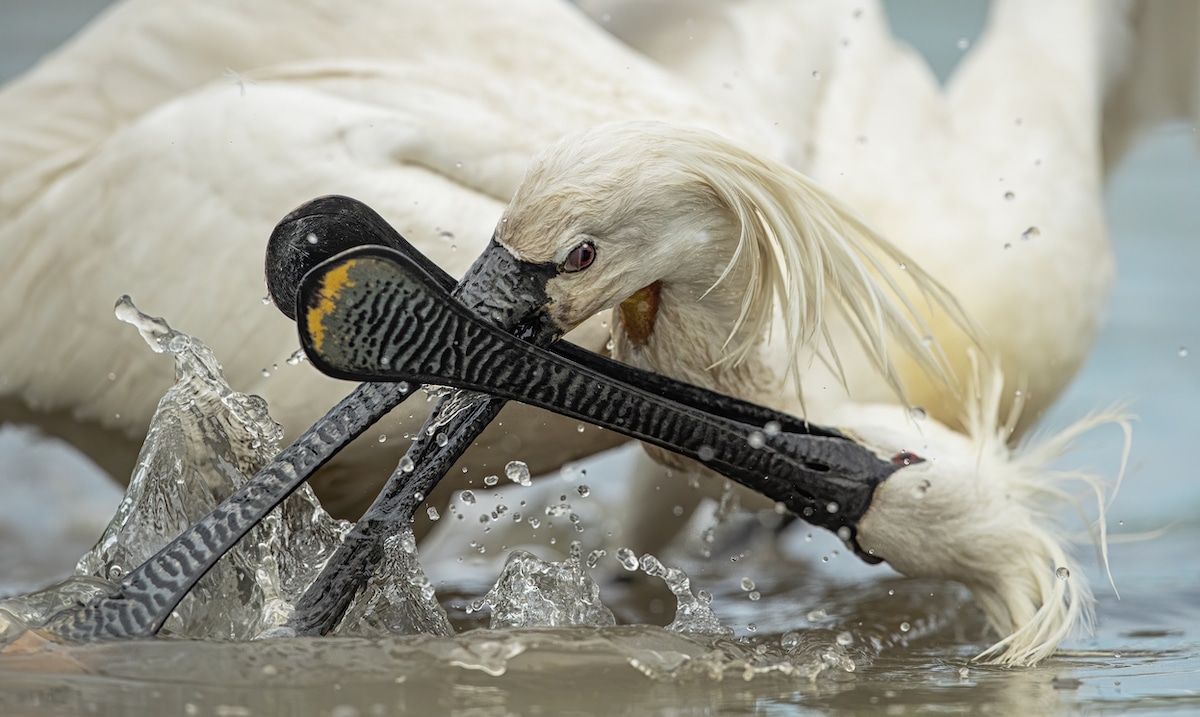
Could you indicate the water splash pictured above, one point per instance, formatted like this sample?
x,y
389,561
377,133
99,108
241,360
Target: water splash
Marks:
x,y
204,441
531,592
726,508
692,614
398,599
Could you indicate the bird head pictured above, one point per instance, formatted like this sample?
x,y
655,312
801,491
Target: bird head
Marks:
x,y
639,210
969,507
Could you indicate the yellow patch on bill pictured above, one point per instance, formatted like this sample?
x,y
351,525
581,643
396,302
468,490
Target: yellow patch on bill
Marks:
x,y
332,284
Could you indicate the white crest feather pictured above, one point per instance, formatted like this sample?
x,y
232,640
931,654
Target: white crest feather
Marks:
x,y
1052,606
799,246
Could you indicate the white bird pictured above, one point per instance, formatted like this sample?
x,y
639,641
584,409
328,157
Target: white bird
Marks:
x,y
993,184
132,164
134,161
719,248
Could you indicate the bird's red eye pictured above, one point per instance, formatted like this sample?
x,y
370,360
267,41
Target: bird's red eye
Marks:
x,y
580,258
906,458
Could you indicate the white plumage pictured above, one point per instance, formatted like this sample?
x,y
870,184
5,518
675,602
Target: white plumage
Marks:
x,y
153,154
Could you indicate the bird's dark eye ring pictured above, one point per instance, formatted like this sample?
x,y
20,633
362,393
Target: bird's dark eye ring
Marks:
x,y
580,258
906,458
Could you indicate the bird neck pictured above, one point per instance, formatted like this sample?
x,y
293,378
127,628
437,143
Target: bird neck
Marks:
x,y
694,323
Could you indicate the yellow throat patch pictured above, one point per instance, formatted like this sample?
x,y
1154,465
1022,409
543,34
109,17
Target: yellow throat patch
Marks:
x,y
639,312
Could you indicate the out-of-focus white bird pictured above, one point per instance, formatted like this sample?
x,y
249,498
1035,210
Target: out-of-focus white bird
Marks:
x,y
993,183
134,161
153,154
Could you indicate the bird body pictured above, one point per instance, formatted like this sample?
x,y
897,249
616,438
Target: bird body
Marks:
x,y
165,184
1017,145
134,163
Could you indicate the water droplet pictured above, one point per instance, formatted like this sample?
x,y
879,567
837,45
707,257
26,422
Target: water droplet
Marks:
x,y
772,428
845,639
1116,654
419,496
296,357
518,472
905,627
754,596
704,597
1007,245
583,490
962,44
790,640
112,376
963,673
266,373
756,439
1062,573
917,413
580,428
1009,196
441,439
266,301
816,75
535,523
706,453
1183,352
844,533
467,497
627,559
445,236
433,513
558,510
747,584
490,481
1031,233
817,615
903,266
383,438
921,489
407,465
832,507
311,238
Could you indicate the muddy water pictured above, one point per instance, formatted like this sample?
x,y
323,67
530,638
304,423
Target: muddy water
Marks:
x,y
1144,658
